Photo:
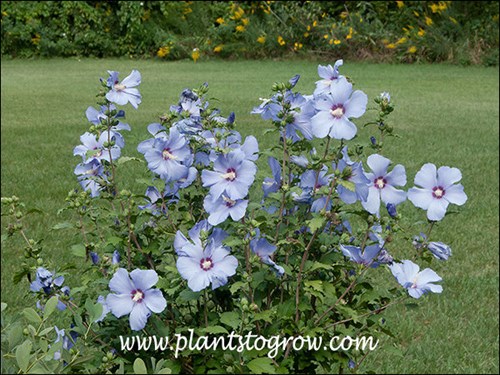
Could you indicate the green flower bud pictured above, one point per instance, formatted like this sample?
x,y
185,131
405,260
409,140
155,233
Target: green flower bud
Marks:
x,y
104,359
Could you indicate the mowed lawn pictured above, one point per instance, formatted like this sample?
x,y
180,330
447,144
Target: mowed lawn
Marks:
x,y
447,115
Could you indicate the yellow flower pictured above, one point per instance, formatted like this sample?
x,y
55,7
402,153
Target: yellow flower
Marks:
x,y
421,32
218,48
195,55
428,21
315,23
281,41
240,28
245,21
349,36
412,49
306,35
344,15
442,5
330,42
261,39
385,41
187,10
326,36
163,51
401,40
434,8
297,46
220,20
36,39
416,13
391,46
400,4
4,14
336,41
454,20
238,13
308,28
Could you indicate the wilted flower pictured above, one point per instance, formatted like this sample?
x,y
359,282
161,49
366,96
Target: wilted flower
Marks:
x,y
365,257
418,283
330,75
264,250
123,92
440,250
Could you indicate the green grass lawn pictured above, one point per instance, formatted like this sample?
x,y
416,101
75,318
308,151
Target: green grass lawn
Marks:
x,y
447,115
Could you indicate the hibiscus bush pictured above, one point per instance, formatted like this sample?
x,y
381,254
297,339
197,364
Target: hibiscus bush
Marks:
x,y
208,251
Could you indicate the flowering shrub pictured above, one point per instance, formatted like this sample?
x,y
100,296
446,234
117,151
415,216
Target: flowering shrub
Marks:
x,y
461,32
208,250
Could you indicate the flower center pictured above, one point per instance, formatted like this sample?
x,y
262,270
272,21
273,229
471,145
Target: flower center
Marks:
x,y
414,283
230,174
167,155
229,202
119,86
337,111
438,192
380,182
206,264
137,295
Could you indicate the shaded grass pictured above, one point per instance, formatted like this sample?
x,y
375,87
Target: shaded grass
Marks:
x,y
447,115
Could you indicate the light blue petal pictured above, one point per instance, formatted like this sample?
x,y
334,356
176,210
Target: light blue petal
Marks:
x,y
372,203
144,279
437,209
121,283
426,176
356,105
378,164
397,177
120,304
421,198
139,316
391,195
343,129
154,300
447,176
321,123
455,194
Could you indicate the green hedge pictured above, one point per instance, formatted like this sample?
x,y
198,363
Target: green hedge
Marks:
x,y
464,32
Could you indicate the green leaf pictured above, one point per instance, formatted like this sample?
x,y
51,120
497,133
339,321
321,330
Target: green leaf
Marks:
x,y
165,370
236,286
78,250
140,367
15,335
63,225
50,307
314,284
349,185
46,330
261,366
231,318
125,159
316,223
317,265
4,306
214,330
23,355
32,315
